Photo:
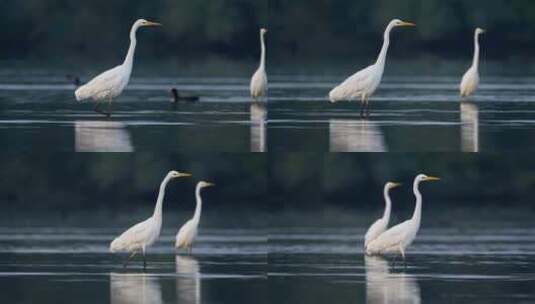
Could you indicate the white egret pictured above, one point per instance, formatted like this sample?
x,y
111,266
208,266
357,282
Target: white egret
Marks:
x,y
259,81
399,237
381,224
188,232
144,234
471,77
364,83
111,83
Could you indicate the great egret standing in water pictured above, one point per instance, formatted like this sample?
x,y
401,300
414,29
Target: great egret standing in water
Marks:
x,y
471,77
144,234
364,83
399,237
188,232
381,224
111,83
259,82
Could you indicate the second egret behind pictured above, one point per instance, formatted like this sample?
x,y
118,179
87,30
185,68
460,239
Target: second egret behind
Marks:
x,y
363,84
381,224
259,81
111,83
399,237
142,235
188,232
470,79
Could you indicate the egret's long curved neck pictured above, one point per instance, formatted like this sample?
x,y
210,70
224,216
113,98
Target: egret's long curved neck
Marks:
x,y
386,43
388,202
197,215
129,60
418,208
475,62
161,195
263,54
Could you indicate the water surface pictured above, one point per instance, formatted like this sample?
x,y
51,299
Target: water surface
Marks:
x,y
408,114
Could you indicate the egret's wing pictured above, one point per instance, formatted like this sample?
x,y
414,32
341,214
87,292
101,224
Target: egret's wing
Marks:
x,y
182,235
353,86
469,82
100,84
390,238
374,231
258,83
135,234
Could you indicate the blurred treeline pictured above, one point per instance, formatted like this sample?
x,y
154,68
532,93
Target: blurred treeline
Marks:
x,y
300,29
262,182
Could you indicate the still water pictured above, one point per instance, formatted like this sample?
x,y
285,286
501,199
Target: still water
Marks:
x,y
53,265
279,265
310,265
38,111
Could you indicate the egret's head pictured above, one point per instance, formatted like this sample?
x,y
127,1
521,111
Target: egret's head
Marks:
x,y
176,174
143,22
392,185
479,31
397,22
425,178
204,184
263,31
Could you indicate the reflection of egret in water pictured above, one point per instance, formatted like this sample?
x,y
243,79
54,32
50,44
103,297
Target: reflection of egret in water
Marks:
x,y
355,136
385,287
102,136
469,127
134,288
188,280
258,127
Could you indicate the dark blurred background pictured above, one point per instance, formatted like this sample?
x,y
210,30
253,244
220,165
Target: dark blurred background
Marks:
x,y
311,31
284,183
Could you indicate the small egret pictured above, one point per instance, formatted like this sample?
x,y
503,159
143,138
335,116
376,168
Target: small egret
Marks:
x,y
399,237
142,235
188,232
111,83
364,83
471,77
259,82
381,224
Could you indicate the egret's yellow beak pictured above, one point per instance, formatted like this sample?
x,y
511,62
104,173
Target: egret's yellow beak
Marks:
x,y
432,178
395,185
149,23
407,24
210,184
185,175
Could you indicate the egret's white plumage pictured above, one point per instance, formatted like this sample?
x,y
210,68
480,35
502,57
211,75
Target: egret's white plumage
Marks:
x,y
111,83
188,232
399,237
259,81
142,235
364,83
470,79
381,224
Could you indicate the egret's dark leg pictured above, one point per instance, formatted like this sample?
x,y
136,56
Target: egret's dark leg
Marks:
x,y
128,259
367,107
109,108
362,106
144,260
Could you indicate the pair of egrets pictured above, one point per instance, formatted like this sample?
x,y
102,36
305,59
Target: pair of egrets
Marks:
x,y
142,235
380,240
111,83
365,82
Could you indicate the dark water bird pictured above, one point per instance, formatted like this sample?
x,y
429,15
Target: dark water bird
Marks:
x,y
177,97
74,80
